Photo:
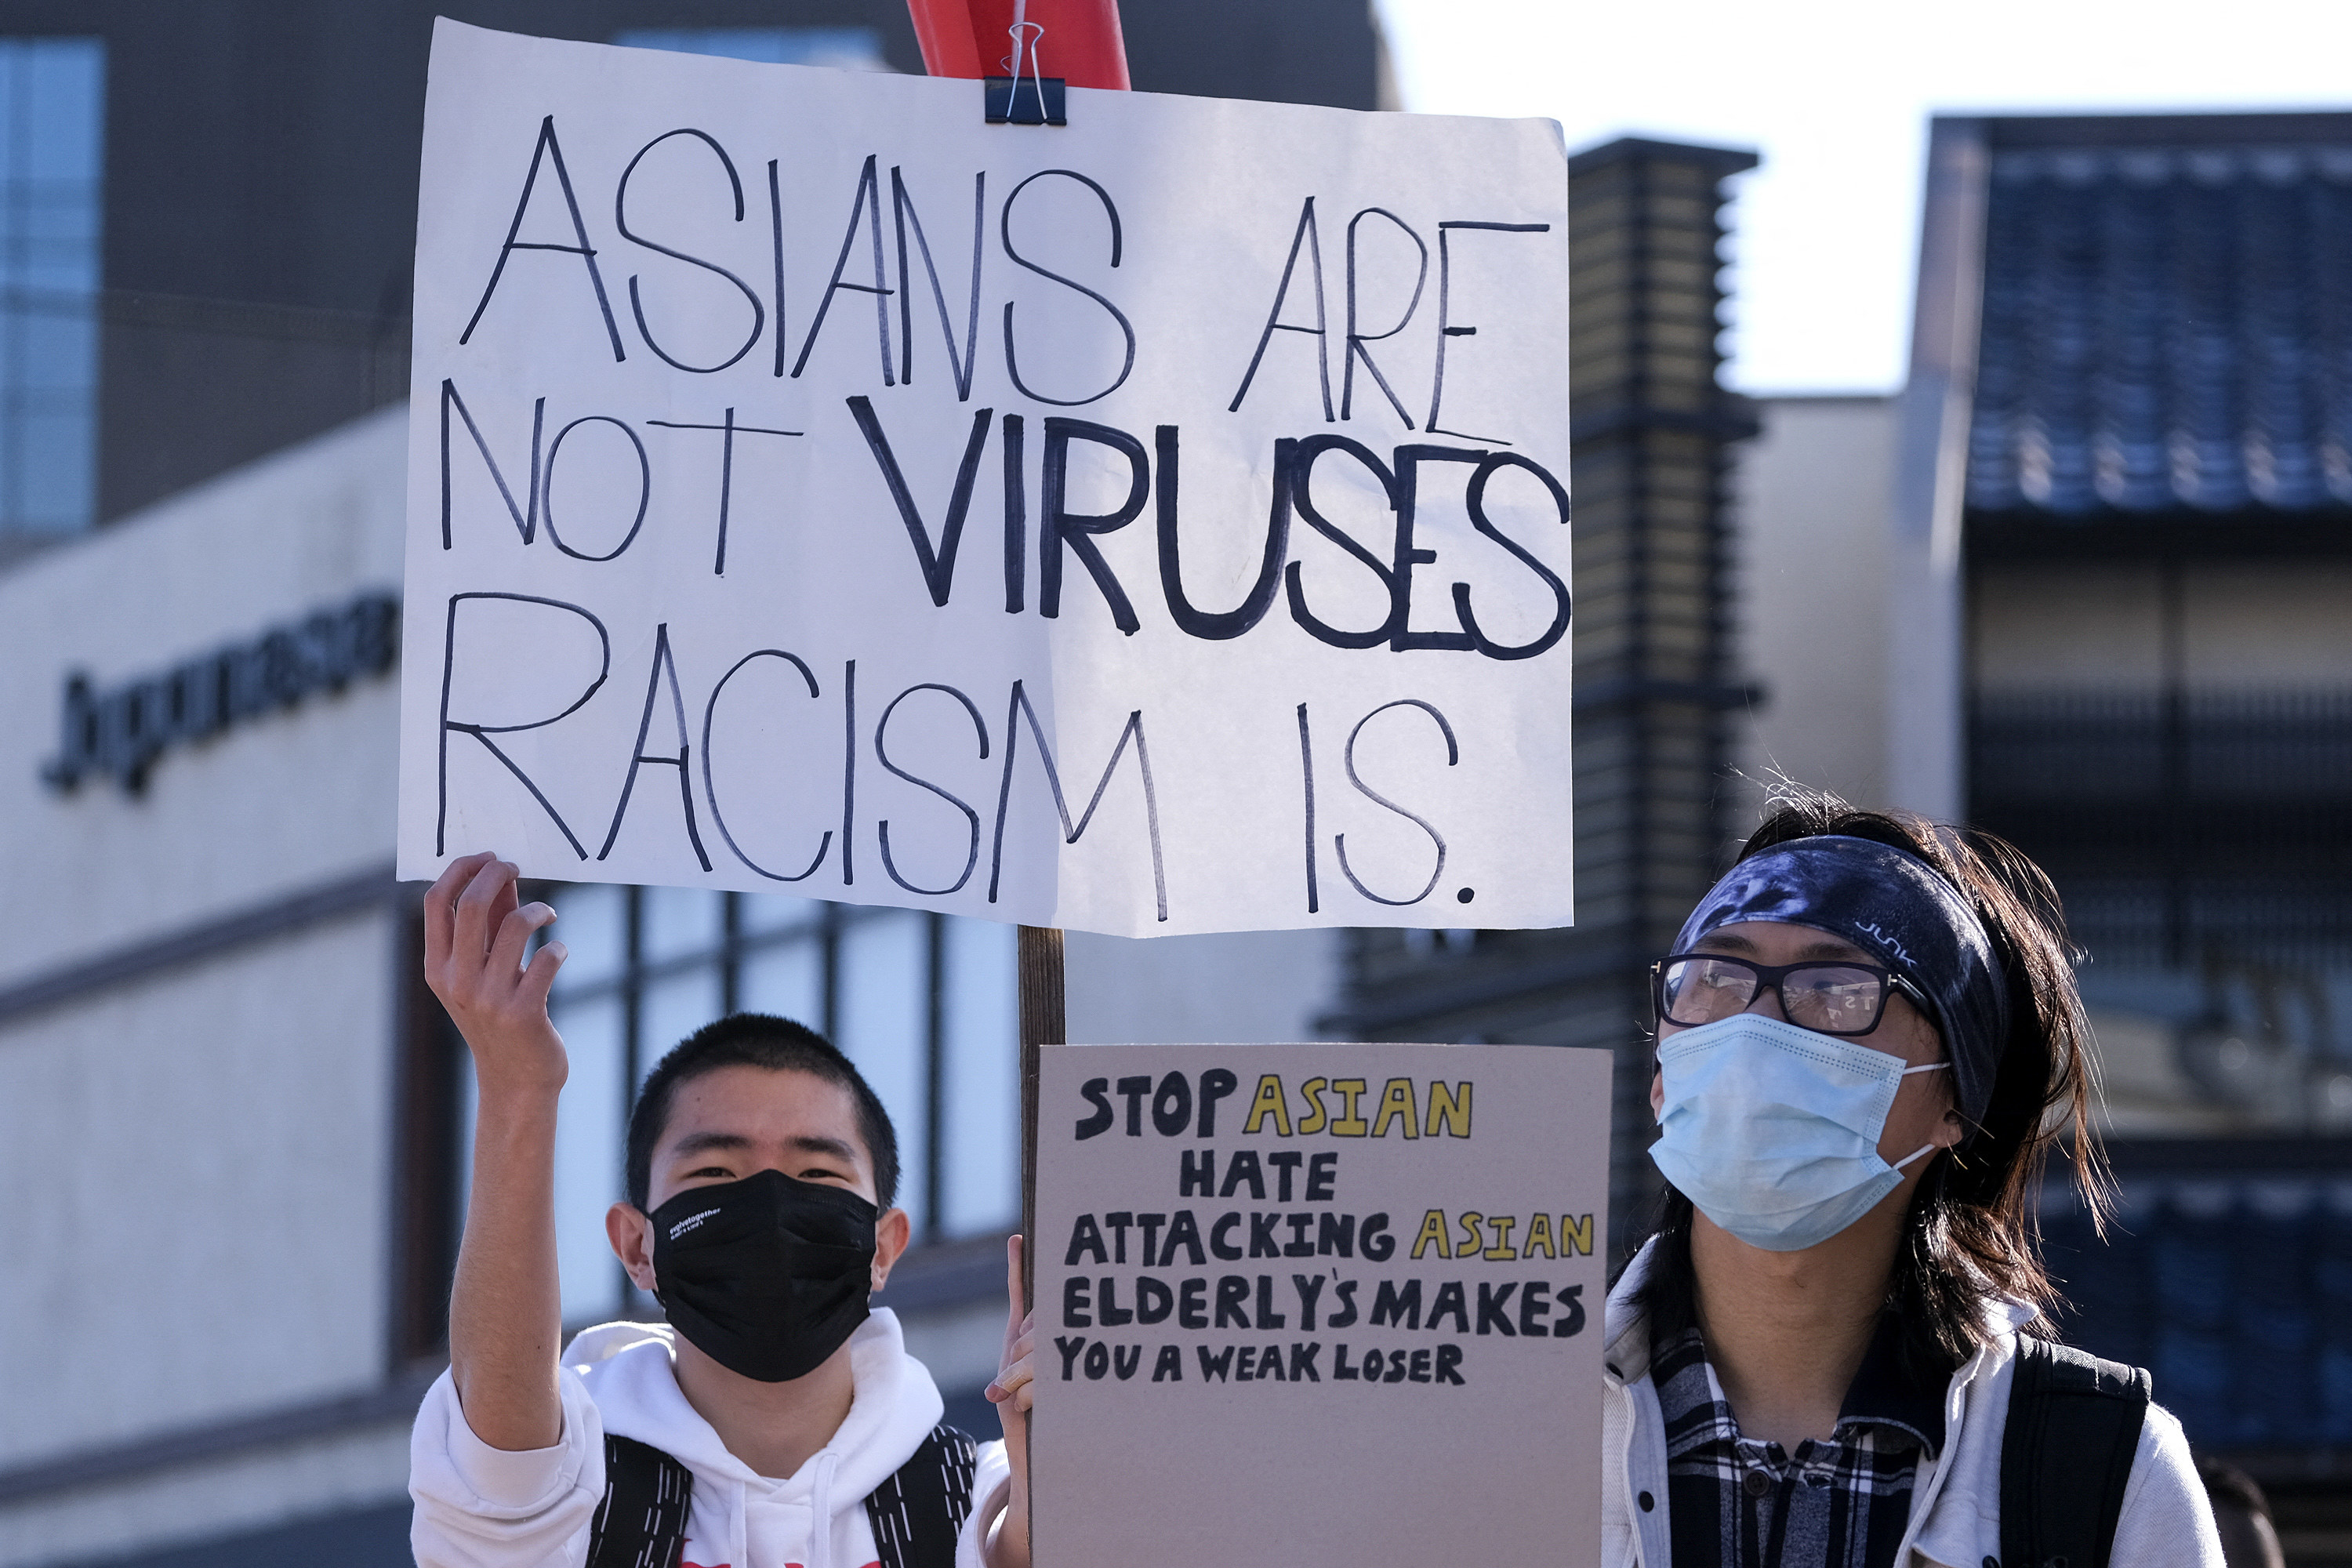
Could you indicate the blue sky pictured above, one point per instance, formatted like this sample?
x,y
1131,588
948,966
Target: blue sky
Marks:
x,y
1835,95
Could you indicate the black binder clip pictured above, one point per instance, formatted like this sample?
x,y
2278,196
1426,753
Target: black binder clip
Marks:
x,y
1026,95
1025,100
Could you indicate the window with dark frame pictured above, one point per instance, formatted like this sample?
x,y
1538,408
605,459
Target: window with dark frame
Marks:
x,y
52,183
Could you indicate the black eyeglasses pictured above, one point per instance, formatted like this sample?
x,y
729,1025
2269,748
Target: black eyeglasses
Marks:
x,y
1835,999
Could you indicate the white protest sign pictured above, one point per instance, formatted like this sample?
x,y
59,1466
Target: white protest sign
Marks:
x,y
794,497
1320,1303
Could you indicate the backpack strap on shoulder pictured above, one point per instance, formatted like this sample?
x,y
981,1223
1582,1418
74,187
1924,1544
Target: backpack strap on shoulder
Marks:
x,y
918,1512
641,1524
2066,1455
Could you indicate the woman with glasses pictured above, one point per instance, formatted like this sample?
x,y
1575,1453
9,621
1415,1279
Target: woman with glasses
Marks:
x,y
1836,1348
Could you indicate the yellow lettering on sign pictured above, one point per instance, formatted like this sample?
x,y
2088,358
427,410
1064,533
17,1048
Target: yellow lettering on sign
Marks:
x,y
1470,1221
1576,1230
1351,1123
1540,1235
1433,1233
1501,1225
1269,1102
1450,1108
1317,1117
1396,1105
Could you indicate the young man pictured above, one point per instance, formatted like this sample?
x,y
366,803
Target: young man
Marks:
x,y
774,1421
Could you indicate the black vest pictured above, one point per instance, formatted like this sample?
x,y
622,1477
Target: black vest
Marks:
x,y
917,1513
2066,1455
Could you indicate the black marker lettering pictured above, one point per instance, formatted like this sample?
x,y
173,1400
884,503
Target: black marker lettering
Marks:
x,y
1020,708
882,755
1475,501
868,201
1405,556
1445,327
1302,496
548,147
937,565
1134,1089
1215,1085
526,518
1016,518
637,305
1096,1092
1356,340
1058,526
1217,625
644,487
1339,841
709,790
483,732
1307,779
729,430
848,770
664,665
776,229
1307,235
902,209
1004,233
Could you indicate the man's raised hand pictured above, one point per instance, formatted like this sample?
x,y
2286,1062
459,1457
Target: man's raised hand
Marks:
x,y
1005,1541
474,939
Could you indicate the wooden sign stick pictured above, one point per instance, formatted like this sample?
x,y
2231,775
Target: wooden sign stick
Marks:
x,y
1042,1024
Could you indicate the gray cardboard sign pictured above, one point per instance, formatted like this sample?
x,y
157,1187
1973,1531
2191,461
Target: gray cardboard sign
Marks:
x,y
1324,1303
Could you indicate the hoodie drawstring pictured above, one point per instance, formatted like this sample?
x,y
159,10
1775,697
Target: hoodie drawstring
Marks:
x,y
821,1504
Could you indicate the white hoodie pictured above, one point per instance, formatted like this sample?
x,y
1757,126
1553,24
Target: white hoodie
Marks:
x,y
480,1507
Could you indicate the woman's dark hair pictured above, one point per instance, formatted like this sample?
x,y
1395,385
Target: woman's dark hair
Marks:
x,y
1972,1232
756,1040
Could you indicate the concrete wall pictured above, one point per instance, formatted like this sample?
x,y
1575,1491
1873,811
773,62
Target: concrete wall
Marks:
x,y
198,1156
197,1171
1812,497
2243,623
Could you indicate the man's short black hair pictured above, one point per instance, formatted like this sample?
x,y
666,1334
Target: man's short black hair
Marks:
x,y
756,1040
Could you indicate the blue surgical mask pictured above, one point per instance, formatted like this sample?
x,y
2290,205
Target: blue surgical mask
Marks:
x,y
1772,1131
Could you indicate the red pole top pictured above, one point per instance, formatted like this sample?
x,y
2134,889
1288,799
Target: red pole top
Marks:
x,y
1081,42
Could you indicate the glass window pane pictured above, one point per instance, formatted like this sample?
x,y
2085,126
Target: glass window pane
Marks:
x,y
787,979
981,1189
52,123
681,922
845,48
883,1027
674,1007
592,923
589,1129
779,912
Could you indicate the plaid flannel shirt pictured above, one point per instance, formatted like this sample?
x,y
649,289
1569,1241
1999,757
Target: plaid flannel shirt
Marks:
x,y
1740,1502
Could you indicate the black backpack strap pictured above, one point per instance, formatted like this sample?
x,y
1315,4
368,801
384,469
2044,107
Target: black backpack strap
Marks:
x,y
918,1512
2066,1455
641,1524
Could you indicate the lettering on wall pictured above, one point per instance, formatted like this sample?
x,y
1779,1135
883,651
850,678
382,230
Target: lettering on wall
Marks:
x,y
119,732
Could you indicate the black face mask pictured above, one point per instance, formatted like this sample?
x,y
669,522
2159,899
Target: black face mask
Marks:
x,y
766,1276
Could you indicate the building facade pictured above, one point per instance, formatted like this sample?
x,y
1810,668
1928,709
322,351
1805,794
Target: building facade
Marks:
x,y
233,1123
2084,583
